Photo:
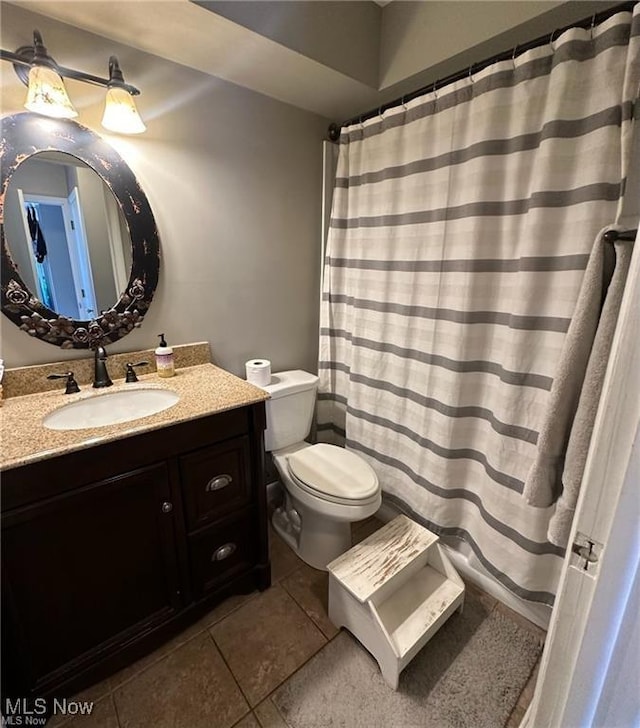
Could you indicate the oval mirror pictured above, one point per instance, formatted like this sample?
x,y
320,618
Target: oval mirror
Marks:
x,y
80,250
67,235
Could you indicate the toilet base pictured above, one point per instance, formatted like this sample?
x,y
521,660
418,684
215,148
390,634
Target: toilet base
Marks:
x,y
318,540
317,530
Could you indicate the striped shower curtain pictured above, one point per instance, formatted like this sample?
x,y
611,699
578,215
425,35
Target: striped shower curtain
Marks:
x,y
461,226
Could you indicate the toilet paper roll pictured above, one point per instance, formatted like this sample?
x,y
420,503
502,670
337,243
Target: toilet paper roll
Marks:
x,y
258,372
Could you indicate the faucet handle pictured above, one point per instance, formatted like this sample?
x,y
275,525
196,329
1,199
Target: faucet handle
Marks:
x,y
131,375
72,386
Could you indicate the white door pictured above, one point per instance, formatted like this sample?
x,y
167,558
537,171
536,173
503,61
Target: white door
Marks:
x,y
590,670
80,261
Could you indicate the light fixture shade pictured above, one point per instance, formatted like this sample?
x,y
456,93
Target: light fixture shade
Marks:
x,y
120,113
47,94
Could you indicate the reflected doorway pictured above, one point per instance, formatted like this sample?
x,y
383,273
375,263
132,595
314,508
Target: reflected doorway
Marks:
x,y
60,260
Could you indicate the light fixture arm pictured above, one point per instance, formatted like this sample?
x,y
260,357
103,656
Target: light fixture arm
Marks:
x,y
25,56
115,74
41,56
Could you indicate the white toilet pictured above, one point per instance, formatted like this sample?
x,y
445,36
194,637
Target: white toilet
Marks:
x,y
326,487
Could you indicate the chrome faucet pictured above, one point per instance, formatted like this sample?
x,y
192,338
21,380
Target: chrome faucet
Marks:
x,y
100,374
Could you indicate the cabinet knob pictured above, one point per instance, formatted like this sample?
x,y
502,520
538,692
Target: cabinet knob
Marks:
x,y
167,507
223,552
219,482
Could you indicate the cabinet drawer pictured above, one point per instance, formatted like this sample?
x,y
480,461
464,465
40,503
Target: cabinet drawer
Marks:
x,y
219,552
215,481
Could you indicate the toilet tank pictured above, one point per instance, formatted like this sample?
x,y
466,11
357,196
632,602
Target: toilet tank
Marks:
x,y
290,409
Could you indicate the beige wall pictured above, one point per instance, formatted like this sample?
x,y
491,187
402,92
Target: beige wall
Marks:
x,y
421,42
234,180
91,191
234,177
343,34
406,25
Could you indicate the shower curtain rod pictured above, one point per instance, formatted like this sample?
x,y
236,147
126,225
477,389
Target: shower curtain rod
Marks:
x,y
589,22
612,235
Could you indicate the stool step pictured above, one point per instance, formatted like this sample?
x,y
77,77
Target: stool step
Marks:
x,y
417,609
381,560
393,591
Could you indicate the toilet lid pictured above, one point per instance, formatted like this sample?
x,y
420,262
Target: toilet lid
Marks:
x,y
334,471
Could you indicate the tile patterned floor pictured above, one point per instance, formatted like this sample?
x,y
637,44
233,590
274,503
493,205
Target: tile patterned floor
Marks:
x,y
221,671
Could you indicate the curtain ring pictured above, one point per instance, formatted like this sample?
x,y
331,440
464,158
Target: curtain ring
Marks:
x,y
551,39
470,75
404,105
593,23
380,112
435,90
513,57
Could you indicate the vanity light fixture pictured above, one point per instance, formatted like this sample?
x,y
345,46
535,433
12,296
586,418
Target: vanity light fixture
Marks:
x,y
120,113
47,94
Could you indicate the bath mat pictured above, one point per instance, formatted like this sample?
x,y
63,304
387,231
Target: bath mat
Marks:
x,y
469,675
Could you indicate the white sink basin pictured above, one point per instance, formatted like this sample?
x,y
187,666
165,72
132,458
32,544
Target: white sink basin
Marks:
x,y
110,408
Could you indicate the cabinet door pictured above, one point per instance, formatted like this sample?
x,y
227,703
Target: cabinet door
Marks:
x,y
85,572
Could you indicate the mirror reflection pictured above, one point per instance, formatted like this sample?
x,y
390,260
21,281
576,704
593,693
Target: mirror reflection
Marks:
x,y
67,235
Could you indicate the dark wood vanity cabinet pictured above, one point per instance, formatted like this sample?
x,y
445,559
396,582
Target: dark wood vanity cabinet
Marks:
x,y
89,566
110,550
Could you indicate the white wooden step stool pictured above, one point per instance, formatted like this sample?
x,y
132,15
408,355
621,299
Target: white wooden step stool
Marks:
x,y
393,592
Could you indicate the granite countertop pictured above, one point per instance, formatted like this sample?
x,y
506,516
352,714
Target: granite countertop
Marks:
x,y
204,390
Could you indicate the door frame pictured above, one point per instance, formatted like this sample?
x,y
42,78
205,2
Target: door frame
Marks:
x,y
587,621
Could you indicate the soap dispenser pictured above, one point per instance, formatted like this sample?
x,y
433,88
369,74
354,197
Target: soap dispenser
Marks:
x,y
164,359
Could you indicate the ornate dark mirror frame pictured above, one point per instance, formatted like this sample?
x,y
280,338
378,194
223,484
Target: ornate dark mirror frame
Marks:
x,y
26,134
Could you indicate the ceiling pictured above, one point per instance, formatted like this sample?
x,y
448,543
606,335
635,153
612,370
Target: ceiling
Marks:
x,y
209,43
318,71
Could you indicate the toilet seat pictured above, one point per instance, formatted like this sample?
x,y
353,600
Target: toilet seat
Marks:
x,y
334,474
